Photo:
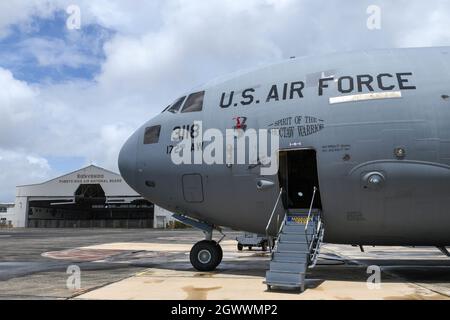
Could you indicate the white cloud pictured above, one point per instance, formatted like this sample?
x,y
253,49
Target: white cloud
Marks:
x,y
17,101
22,168
56,52
110,141
20,13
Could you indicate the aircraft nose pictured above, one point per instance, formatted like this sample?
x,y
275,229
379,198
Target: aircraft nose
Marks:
x,y
127,161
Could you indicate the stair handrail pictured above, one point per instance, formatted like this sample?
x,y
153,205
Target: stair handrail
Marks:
x,y
310,208
319,241
273,212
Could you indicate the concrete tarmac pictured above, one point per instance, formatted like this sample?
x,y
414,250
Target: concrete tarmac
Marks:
x,y
154,264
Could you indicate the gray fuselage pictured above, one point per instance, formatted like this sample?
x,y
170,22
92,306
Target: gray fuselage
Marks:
x,y
401,132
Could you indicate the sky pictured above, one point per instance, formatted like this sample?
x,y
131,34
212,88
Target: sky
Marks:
x,y
72,93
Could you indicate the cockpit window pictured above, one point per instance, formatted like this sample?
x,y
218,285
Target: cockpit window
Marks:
x,y
152,135
176,105
165,109
194,103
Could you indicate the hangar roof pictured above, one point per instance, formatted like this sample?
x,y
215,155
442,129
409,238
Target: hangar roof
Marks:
x,y
66,185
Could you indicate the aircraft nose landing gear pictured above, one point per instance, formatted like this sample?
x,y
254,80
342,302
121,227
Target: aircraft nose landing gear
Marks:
x,y
206,255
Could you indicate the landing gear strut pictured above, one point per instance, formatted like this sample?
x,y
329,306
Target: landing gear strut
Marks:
x,y
207,254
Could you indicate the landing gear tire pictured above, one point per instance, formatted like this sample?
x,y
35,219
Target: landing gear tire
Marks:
x,y
206,255
220,252
240,247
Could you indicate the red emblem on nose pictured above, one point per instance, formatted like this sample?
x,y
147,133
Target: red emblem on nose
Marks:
x,y
241,123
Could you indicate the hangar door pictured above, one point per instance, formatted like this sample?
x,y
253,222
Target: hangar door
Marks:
x,y
89,209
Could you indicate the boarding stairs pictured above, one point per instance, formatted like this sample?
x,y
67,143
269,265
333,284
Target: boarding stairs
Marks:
x,y
296,249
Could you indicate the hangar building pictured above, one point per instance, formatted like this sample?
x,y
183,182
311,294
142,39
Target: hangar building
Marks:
x,y
6,215
91,197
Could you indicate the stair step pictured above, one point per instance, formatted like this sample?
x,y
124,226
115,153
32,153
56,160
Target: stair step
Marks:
x,y
298,257
312,225
290,267
300,237
296,228
284,279
303,212
297,236
292,238
301,227
292,246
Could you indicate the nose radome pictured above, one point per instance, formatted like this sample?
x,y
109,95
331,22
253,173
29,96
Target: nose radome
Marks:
x,y
127,161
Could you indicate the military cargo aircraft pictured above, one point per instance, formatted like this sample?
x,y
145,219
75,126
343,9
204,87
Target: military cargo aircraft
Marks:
x,y
363,156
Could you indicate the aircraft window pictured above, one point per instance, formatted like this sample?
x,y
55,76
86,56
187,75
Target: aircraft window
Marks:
x,y
152,135
176,105
194,103
165,109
